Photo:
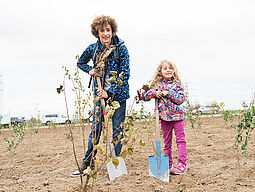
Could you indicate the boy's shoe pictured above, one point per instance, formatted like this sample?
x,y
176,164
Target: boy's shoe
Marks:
x,y
83,168
179,169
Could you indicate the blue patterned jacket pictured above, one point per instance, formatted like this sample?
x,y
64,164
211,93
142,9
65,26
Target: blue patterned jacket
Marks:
x,y
119,64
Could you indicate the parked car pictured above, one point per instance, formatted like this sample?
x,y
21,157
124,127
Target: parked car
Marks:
x,y
6,120
55,118
205,110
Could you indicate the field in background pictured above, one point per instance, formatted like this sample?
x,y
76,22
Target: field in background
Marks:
x,y
44,161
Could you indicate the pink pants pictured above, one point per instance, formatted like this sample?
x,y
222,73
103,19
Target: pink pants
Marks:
x,y
167,131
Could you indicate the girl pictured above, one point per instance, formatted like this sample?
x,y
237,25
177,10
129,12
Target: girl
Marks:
x,y
166,85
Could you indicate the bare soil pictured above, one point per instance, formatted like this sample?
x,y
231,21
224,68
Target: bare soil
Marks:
x,y
44,162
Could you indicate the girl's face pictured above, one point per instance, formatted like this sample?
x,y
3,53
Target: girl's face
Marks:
x,y
105,34
167,71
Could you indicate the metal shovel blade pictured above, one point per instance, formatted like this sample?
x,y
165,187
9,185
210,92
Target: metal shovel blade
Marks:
x,y
115,171
159,165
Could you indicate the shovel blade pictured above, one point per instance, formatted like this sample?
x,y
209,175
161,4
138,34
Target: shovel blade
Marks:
x,y
116,171
159,165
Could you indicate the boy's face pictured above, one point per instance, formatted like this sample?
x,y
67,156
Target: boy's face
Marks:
x,y
105,34
167,71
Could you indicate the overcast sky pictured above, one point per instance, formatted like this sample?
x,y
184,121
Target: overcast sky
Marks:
x,y
212,44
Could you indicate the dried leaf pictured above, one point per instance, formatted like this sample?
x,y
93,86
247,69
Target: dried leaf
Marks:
x,y
123,154
146,87
115,141
60,89
96,99
102,151
134,113
108,160
111,113
114,73
121,75
115,162
90,113
90,183
88,170
107,108
94,176
97,146
104,139
130,150
142,143
112,79
124,140
115,105
120,83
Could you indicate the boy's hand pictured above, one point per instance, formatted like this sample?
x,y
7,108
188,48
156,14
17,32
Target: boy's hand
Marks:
x,y
92,72
102,94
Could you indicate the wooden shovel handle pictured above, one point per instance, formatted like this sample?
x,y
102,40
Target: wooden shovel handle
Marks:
x,y
157,119
103,107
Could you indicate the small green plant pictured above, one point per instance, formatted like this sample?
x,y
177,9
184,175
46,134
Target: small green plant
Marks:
x,y
179,189
52,125
192,118
245,126
199,123
142,111
148,122
227,115
33,124
17,135
215,108
82,104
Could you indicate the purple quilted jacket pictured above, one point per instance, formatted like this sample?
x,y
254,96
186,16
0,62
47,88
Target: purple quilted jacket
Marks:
x,y
169,106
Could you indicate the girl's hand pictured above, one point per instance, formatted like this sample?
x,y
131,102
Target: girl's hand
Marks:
x,y
158,94
164,93
92,72
102,94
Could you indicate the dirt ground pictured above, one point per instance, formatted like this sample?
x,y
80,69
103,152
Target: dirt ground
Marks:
x,y
44,162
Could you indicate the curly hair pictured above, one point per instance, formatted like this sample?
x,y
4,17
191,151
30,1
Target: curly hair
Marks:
x,y
102,20
158,78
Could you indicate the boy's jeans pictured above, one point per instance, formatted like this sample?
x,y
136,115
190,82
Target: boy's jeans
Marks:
x,y
117,119
167,131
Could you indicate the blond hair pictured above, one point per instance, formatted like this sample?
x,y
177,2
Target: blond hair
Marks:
x,y
102,20
158,77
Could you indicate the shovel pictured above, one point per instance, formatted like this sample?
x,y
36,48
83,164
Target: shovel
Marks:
x,y
113,171
158,164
